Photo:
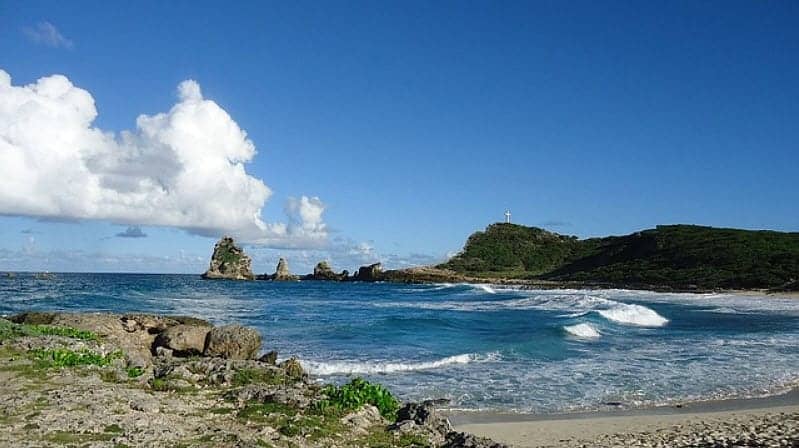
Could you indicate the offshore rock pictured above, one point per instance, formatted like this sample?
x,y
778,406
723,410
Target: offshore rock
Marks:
x,y
370,273
323,271
232,342
282,273
229,262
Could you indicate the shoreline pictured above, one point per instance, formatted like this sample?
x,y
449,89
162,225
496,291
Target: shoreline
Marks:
x,y
574,429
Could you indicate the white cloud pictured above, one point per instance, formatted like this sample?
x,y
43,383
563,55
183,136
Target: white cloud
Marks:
x,y
46,33
183,168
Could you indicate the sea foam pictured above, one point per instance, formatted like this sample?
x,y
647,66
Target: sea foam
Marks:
x,y
638,315
371,367
583,331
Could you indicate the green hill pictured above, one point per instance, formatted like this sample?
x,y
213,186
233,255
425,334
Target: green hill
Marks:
x,y
673,256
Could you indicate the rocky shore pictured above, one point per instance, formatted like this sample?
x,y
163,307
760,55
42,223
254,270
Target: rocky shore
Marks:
x,y
123,380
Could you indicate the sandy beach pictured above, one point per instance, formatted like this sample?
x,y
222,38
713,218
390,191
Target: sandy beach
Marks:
x,y
768,420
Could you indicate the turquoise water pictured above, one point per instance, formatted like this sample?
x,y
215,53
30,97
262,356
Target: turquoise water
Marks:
x,y
482,347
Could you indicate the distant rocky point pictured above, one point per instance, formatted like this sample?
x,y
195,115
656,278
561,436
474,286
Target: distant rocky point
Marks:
x,y
229,262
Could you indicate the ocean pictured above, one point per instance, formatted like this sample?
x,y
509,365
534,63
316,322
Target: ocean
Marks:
x,y
482,347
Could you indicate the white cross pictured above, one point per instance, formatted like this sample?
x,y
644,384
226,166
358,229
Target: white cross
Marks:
x,y
507,216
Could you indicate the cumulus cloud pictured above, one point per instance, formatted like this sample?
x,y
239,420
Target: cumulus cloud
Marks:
x,y
46,33
132,232
183,168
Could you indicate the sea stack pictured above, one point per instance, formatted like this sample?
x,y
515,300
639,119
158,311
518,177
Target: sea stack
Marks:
x,y
323,271
229,262
370,273
282,273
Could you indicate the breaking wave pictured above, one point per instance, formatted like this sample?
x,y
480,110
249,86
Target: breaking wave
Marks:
x,y
583,331
574,305
370,367
633,315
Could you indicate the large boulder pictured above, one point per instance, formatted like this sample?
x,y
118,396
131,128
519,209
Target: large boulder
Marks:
x,y
232,342
370,273
183,340
229,262
282,273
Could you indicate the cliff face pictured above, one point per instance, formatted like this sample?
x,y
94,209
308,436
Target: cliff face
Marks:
x,y
229,262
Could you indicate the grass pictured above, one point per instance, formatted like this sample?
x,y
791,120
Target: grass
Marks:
x,y
59,357
10,330
247,376
358,392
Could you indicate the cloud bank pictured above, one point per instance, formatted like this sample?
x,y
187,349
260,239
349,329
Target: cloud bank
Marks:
x,y
183,168
46,33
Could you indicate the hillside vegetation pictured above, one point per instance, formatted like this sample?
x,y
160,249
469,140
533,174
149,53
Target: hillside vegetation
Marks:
x,y
673,256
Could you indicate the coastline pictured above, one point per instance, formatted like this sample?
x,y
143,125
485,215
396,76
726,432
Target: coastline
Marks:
x,y
643,425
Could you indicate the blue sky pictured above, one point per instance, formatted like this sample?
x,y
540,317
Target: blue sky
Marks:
x,y
417,123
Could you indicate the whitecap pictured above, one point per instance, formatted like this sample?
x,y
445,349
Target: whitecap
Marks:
x,y
485,288
637,315
583,331
371,367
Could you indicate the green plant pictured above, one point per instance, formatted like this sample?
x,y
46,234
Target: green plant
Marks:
x,y
355,394
60,357
10,330
245,376
69,332
134,372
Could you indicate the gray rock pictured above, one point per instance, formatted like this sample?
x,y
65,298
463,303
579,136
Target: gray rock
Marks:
x,y
363,419
232,342
424,419
229,262
269,358
463,440
282,273
183,340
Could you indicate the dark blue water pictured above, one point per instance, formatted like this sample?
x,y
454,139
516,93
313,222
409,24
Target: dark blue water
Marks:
x,y
482,347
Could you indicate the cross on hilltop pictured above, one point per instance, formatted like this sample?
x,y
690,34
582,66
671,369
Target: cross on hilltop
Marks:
x,y
507,216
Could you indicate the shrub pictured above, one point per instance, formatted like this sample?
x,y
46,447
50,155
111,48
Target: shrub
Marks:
x,y
358,392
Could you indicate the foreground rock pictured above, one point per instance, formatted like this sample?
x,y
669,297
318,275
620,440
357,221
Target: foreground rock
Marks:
x,y
229,262
74,385
233,342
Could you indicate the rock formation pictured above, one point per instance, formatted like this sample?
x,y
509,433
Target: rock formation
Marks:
x,y
183,340
371,273
229,262
282,273
323,271
232,342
